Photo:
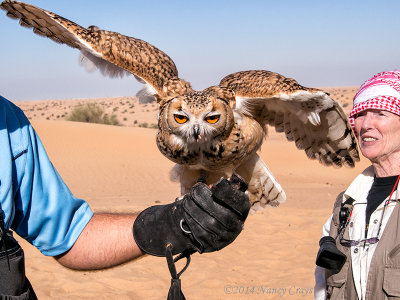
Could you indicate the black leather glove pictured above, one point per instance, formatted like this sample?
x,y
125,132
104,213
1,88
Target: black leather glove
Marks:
x,y
204,220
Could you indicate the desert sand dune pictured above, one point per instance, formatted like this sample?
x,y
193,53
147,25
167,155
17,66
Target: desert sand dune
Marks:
x,y
120,169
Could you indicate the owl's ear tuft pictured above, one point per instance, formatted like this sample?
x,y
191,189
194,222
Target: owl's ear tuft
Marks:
x,y
163,100
227,95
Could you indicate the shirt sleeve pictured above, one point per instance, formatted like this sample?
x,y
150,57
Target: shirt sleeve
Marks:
x,y
46,213
327,227
319,274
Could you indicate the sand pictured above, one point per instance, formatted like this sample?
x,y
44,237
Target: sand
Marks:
x,y
119,169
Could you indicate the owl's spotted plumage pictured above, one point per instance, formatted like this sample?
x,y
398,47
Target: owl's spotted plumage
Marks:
x,y
219,146
217,131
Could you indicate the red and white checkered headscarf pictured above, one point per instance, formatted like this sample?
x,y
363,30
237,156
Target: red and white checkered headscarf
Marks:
x,y
380,92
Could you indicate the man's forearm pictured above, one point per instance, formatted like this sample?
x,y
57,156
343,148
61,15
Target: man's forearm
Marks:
x,y
106,241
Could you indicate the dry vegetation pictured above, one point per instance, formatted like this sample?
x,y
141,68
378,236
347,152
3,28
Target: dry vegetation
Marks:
x,y
91,113
127,111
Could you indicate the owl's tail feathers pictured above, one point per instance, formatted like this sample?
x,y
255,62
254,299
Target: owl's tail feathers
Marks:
x,y
263,188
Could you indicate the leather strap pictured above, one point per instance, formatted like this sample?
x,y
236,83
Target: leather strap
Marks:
x,y
175,291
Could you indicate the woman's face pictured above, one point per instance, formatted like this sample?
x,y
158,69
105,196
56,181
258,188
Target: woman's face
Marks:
x,y
378,135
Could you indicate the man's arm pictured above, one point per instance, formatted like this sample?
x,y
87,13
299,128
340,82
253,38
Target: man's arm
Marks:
x,y
204,220
106,241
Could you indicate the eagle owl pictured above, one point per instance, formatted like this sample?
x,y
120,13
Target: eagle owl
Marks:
x,y
217,131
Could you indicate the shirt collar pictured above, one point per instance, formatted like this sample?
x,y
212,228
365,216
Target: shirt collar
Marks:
x,y
359,188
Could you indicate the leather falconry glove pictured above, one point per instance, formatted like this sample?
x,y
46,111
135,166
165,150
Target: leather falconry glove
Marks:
x,y
204,220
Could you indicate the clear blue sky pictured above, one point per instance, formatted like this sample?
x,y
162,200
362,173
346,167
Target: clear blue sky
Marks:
x,y
319,43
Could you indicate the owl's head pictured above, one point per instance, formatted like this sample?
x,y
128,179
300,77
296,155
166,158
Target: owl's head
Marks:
x,y
199,117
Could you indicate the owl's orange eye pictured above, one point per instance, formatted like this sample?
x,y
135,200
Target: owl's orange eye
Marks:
x,y
212,119
180,118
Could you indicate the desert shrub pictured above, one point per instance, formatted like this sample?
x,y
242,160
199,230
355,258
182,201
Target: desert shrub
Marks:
x,y
154,126
147,125
91,113
113,120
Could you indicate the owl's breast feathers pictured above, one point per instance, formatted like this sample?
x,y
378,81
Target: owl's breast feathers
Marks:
x,y
221,153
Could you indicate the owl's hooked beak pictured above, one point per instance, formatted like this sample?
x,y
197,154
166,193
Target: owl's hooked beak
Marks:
x,y
196,132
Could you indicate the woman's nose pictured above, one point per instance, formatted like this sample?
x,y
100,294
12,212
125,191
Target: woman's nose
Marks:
x,y
368,120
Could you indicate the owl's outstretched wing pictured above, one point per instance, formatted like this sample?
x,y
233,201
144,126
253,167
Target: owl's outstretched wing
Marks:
x,y
113,53
309,117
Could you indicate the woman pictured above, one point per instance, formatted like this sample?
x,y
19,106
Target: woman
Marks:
x,y
365,224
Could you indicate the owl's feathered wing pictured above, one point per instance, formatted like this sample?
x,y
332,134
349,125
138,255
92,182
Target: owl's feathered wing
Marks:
x,y
113,53
307,116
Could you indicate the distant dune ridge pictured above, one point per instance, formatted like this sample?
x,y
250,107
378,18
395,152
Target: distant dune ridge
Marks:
x,y
119,169
128,109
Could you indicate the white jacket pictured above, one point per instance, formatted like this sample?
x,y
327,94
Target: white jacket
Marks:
x,y
360,256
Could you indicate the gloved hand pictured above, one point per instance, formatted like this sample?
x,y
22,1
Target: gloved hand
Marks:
x,y
204,220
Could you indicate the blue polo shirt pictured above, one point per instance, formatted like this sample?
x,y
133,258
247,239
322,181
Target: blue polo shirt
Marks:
x,y
35,201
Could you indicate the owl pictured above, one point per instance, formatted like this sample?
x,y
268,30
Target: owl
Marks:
x,y
217,131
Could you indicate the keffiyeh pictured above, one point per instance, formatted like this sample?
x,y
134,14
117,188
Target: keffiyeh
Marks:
x,y
382,91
